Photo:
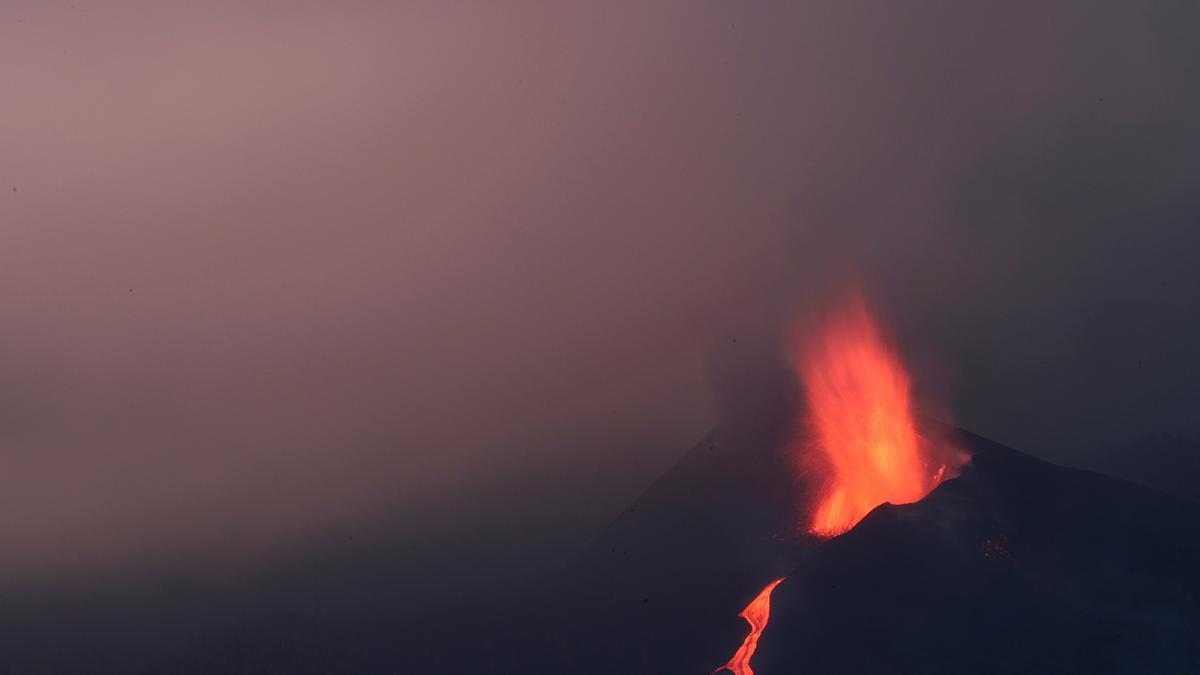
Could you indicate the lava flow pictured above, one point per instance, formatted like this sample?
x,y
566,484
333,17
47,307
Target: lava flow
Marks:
x,y
864,449
757,613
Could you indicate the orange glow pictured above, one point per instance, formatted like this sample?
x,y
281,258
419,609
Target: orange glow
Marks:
x,y
866,450
757,613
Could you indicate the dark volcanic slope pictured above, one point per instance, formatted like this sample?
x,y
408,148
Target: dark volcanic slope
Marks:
x,y
660,589
1017,566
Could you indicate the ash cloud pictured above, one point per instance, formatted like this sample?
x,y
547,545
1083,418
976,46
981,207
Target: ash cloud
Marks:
x,y
464,279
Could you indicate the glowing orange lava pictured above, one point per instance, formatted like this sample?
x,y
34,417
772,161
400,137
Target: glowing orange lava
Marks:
x,y
757,613
864,449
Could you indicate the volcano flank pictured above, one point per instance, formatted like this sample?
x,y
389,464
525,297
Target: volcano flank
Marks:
x,y
1016,565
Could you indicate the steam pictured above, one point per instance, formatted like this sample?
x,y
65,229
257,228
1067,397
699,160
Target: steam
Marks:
x,y
272,276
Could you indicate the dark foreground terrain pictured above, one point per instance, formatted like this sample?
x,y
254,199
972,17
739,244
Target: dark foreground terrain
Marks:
x,y
1015,566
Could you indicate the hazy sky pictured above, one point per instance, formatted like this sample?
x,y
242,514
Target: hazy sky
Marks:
x,y
473,272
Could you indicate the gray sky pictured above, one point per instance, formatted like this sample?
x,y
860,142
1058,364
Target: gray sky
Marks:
x,y
474,273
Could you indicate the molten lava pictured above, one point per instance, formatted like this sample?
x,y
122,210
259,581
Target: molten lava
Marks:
x,y
864,449
757,613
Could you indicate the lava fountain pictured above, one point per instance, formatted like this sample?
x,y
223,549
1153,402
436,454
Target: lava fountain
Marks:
x,y
861,445
757,613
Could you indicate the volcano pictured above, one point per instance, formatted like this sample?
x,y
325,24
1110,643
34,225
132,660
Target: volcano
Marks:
x,y
870,541
837,533
841,533
1015,565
